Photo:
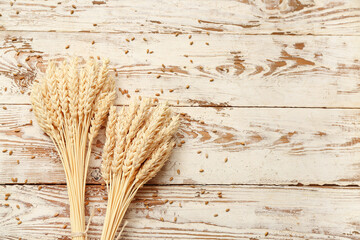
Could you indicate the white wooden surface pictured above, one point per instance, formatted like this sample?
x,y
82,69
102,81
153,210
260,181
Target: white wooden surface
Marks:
x,y
283,108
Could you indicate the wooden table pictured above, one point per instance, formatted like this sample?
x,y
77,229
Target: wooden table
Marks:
x,y
271,85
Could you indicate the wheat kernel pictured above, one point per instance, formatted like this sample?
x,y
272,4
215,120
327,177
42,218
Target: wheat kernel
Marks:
x,y
4,151
18,161
56,214
17,206
158,76
65,226
215,215
93,42
267,233
137,90
211,80
6,204
5,108
67,46
206,155
72,12
226,159
94,24
206,202
157,94
207,43
171,90
11,152
171,178
17,130
191,43
161,219
145,39
39,188
227,210
201,170
175,219
19,222
17,218
6,198
202,191
187,86
105,198
25,181
178,171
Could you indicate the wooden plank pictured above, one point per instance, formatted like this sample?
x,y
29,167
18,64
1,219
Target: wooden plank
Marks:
x,y
263,146
284,213
301,71
320,17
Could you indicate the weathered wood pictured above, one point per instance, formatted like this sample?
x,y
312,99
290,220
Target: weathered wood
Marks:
x,y
282,212
302,71
320,17
263,145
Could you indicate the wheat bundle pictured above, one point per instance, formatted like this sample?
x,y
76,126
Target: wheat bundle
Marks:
x,y
70,103
139,141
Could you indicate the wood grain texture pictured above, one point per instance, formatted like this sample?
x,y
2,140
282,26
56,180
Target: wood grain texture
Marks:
x,y
288,71
303,17
282,212
263,145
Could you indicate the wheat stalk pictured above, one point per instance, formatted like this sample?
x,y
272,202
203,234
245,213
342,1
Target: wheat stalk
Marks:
x,y
70,103
136,148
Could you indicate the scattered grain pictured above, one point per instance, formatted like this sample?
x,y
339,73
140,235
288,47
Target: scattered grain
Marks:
x,y
157,94
227,210
171,202
94,24
211,80
191,43
202,192
39,188
137,90
5,108
19,222
171,90
72,12
127,51
17,206
25,181
161,219
6,204
4,151
207,43
145,39
93,42
171,178
56,214
158,76
175,219
178,171
73,6
226,159
11,152
67,47
17,130
105,198
18,161
187,86
17,218
206,155
215,215
65,226
201,170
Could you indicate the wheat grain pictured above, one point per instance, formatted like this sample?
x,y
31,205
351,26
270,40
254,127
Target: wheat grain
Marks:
x,y
143,144
70,104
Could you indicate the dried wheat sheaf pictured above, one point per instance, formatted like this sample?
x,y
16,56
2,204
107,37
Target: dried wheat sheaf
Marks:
x,y
139,140
71,102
